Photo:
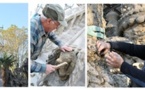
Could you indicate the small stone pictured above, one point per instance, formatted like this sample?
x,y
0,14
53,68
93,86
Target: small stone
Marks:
x,y
140,19
131,21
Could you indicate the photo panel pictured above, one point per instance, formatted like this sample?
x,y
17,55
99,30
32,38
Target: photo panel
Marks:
x,y
115,45
57,44
14,45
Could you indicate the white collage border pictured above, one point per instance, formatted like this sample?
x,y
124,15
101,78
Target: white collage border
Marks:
x,y
31,2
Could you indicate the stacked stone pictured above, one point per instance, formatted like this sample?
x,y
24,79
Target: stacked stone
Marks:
x,y
132,24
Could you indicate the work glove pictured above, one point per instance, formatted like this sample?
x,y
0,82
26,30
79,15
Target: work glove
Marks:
x,y
96,31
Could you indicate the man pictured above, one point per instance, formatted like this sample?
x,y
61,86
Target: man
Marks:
x,y
115,60
41,28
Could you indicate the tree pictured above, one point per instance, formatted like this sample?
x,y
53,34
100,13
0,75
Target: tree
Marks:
x,y
15,42
5,63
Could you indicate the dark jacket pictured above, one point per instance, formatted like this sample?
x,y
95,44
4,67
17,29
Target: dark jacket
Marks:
x,y
133,50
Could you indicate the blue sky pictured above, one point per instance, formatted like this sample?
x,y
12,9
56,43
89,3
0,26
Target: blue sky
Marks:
x,y
13,13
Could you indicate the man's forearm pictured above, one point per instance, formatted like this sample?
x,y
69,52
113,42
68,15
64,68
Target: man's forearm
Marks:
x,y
134,72
54,39
131,49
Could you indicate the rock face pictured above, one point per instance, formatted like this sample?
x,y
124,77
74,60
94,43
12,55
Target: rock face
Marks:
x,y
123,23
132,24
98,73
111,26
71,74
93,17
128,19
65,71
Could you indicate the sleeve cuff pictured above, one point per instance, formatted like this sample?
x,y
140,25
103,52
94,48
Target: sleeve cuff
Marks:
x,y
43,68
124,67
114,46
60,44
110,45
37,67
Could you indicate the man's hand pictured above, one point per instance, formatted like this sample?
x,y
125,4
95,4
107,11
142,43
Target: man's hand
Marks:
x,y
50,68
114,60
103,46
66,48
